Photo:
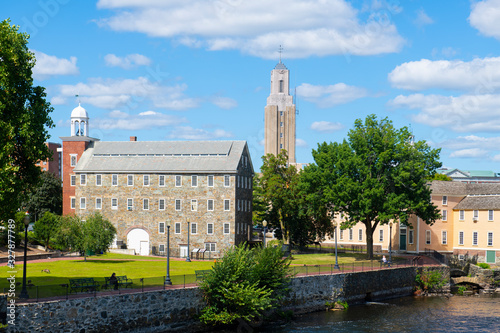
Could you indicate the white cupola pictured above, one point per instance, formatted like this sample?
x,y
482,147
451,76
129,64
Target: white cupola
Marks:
x,y
79,122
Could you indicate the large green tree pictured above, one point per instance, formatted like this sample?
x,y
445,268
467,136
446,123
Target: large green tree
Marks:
x,y
24,120
378,175
45,197
47,227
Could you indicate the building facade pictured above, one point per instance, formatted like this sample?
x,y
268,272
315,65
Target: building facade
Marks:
x,y
53,164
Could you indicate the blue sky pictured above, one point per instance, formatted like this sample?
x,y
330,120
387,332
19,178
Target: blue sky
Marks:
x,y
200,69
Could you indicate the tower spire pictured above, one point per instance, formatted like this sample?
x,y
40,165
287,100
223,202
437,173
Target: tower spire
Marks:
x,y
280,50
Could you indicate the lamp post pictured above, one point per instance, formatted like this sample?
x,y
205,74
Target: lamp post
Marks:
x,y
336,258
188,259
167,279
264,224
26,220
390,244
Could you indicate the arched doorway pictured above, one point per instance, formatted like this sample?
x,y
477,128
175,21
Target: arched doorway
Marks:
x,y
138,239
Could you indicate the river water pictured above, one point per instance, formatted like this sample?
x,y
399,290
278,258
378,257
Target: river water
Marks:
x,y
408,314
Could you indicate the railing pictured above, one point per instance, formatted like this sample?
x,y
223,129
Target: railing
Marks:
x,y
436,255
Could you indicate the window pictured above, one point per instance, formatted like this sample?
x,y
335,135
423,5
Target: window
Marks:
x,y
98,203
210,247
177,227
194,181
381,235
360,234
490,238
73,203
130,180
475,215
444,215
227,181
98,180
114,203
226,204
130,204
73,180
161,180
460,238
461,215
210,204
445,200
210,181
427,237
194,228
474,238
73,160
194,205
341,234
161,227
281,86
83,179
161,204
177,204
410,237
350,234
281,113
178,181
210,228
83,203
490,215
114,180
145,180
444,237
281,135
281,146
145,204
161,248
226,228
281,124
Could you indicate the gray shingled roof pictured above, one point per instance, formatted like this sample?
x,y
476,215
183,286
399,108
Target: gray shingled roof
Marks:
x,y
479,202
452,188
162,156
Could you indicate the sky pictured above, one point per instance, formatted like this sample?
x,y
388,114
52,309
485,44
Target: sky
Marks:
x,y
200,69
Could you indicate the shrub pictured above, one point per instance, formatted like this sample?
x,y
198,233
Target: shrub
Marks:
x,y
430,280
484,265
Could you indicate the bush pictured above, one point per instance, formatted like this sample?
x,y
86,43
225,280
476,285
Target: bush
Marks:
x,y
484,265
430,280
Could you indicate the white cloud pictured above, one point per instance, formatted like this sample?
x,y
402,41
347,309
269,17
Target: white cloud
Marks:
x,y
485,16
300,142
144,120
479,75
189,133
47,66
128,62
257,27
329,96
224,102
469,153
422,19
326,126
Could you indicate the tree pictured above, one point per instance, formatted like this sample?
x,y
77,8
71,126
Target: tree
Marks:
x,y
378,175
46,197
47,227
443,177
24,120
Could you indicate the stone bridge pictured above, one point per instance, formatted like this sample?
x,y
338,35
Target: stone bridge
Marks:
x,y
468,280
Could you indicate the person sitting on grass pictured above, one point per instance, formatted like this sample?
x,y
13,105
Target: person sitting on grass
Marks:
x,y
113,281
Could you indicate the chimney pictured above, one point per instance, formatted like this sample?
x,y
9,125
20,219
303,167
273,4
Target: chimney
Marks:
x,y
133,138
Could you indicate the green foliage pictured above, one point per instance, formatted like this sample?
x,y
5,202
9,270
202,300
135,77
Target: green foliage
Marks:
x,y
46,228
45,197
440,176
376,176
244,284
430,280
461,290
24,120
484,265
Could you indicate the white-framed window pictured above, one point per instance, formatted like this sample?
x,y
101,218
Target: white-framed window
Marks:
x,y
145,204
410,236
161,204
130,180
281,146
210,205
194,205
281,135
210,228
381,235
145,180
490,238
130,204
83,179
341,234
281,124
444,237
114,203
177,228
83,203
114,180
210,181
178,204
73,159
161,227
98,180
360,234
475,215
227,181
210,247
72,180
427,237
194,228
161,248
226,228
227,204
490,215
98,203
161,180
460,238
444,214
194,181
73,202
445,200
178,181
461,215
351,234
474,238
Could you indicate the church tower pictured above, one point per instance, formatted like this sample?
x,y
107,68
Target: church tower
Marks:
x,y
280,115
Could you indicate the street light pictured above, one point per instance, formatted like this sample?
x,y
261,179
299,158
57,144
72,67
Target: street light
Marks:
x,y
167,279
264,224
188,259
336,258
26,220
390,244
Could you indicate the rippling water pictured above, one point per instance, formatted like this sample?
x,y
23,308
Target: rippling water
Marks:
x,y
409,314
